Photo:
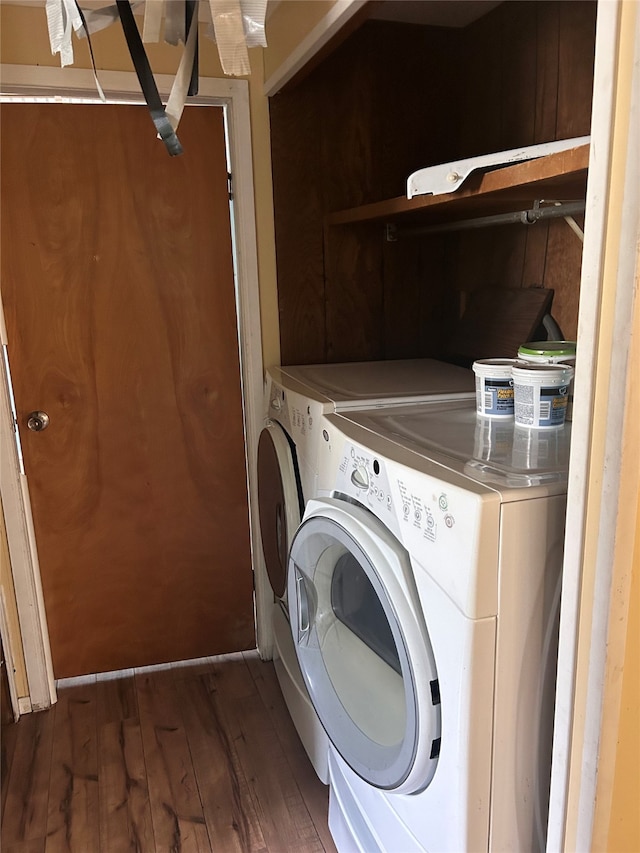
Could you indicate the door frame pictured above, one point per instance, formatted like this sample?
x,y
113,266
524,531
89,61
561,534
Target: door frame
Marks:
x,y
69,84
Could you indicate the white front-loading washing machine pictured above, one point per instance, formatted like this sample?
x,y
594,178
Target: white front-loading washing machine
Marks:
x,y
423,592
287,472
296,398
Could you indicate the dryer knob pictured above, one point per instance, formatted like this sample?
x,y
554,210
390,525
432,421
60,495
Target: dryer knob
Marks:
x,y
276,404
360,477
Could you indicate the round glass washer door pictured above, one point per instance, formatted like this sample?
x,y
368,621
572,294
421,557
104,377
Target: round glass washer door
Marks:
x,y
363,647
279,502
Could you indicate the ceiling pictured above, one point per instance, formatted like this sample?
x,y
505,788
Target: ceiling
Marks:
x,y
437,13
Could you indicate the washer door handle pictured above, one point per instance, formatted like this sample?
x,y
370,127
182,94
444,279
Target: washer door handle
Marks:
x,y
281,545
302,602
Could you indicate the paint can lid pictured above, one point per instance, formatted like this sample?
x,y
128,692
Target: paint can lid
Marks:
x,y
548,349
498,368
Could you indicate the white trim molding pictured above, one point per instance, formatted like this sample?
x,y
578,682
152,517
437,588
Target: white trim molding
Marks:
x,y
21,81
23,554
340,13
607,298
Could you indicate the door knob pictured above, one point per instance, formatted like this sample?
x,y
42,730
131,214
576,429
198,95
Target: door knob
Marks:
x,y
37,421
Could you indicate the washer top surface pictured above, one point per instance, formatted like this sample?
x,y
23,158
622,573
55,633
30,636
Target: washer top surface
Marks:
x,y
492,452
363,384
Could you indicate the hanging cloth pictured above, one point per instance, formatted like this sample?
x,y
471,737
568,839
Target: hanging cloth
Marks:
x,y
183,83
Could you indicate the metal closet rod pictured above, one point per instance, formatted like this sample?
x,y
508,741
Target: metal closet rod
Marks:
x,y
523,217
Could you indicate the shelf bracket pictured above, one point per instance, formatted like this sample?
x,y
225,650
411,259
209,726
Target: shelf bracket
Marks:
x,y
577,230
448,177
391,232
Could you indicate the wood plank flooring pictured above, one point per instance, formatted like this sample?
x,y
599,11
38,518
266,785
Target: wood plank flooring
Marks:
x,y
186,758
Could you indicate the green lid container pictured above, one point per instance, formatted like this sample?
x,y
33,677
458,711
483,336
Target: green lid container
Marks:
x,y
549,351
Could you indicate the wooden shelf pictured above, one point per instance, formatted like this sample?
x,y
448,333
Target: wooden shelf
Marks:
x,y
560,176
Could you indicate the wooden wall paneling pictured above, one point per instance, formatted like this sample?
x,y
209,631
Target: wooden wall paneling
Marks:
x,y
545,118
394,98
354,295
349,134
576,58
416,96
176,809
296,125
547,55
403,287
535,254
73,787
480,104
518,54
562,273
25,815
507,57
347,106
490,257
420,307
576,46
387,108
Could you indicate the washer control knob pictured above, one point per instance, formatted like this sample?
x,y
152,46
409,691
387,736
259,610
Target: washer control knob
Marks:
x,y
276,404
360,477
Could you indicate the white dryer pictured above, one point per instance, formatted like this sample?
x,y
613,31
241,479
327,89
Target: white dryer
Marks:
x,y
423,595
295,400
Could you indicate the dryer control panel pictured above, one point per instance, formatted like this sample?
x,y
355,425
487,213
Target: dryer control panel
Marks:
x,y
397,502
449,532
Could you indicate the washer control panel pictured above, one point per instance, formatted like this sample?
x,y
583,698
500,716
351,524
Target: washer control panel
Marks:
x,y
396,500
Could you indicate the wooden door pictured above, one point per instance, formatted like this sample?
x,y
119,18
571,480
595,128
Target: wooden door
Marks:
x,y
118,291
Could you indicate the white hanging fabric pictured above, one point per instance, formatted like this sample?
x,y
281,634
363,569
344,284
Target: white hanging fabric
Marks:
x,y
62,18
174,23
254,13
152,27
236,26
180,88
230,38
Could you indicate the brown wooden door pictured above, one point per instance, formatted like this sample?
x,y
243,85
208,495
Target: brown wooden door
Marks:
x,y
118,291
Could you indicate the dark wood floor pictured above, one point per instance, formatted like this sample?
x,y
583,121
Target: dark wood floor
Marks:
x,y
189,757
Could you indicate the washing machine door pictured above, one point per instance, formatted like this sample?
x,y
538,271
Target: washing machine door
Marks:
x,y
279,502
363,647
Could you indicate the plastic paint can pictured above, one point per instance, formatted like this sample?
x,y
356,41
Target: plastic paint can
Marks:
x,y
547,352
541,394
494,387
551,352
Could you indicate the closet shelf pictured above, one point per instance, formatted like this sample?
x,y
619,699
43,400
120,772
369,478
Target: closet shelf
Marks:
x,y
561,176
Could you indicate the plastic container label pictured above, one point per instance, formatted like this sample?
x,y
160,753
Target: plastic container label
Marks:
x,y
552,406
497,397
